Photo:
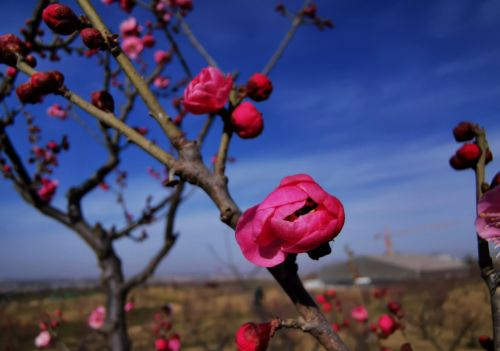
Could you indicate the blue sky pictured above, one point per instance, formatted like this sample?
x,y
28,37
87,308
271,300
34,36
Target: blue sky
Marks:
x,y
367,109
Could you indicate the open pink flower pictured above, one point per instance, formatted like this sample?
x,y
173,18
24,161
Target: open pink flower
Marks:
x,y
360,314
43,340
488,215
97,318
298,216
208,92
129,27
132,46
174,343
129,306
57,111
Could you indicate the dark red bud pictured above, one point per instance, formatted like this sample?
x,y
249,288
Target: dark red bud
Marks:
x,y
92,38
47,82
61,19
464,131
10,47
103,101
259,87
28,95
31,60
127,5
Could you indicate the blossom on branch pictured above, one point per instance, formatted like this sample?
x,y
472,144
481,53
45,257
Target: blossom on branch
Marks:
x,y
208,92
97,317
247,121
488,215
298,216
43,340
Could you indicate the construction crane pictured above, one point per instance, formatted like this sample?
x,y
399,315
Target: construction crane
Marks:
x,y
387,234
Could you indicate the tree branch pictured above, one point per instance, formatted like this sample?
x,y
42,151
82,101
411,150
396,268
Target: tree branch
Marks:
x,y
170,238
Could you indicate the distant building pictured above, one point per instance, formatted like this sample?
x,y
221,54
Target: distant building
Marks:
x,y
394,268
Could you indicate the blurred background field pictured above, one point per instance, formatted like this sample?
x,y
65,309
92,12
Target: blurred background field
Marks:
x,y
440,315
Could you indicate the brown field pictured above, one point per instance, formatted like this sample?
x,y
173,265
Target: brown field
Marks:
x,y
206,316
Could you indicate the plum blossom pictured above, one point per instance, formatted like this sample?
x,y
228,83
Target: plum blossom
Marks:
x,y
132,46
57,111
488,215
208,92
48,189
298,216
161,82
43,340
360,314
97,317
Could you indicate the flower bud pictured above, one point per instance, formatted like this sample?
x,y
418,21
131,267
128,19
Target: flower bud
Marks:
x,y
47,82
61,19
11,71
457,164
310,11
247,121
469,153
464,131
92,38
387,325
148,41
394,307
28,95
10,47
103,101
486,342
259,87
406,347
253,337
31,60
161,344
127,5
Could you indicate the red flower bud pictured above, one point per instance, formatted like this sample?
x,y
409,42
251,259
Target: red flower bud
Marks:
x,y
457,164
61,19
10,47
47,82
28,95
332,293
406,347
486,342
488,157
464,131
103,101
185,5
11,71
327,307
148,41
394,307
310,11
259,87
92,38
321,298
387,325
253,337
469,153
247,121
127,5
161,345
31,60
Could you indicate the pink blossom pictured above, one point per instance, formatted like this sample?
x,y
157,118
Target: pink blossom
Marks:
x,y
162,56
97,317
129,306
488,215
298,216
161,82
132,46
360,314
174,343
57,111
43,340
208,92
48,189
129,27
